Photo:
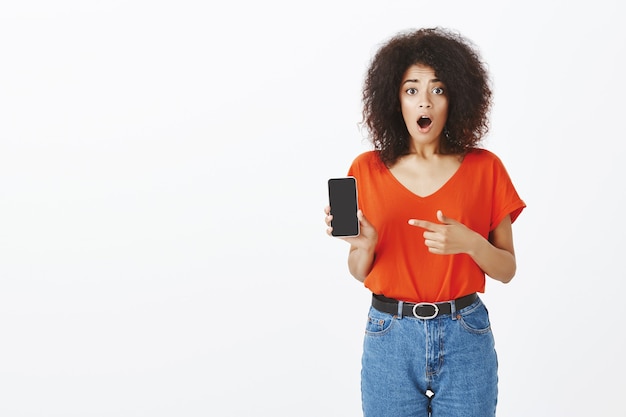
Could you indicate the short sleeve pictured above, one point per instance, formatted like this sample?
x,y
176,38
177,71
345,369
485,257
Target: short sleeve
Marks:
x,y
506,200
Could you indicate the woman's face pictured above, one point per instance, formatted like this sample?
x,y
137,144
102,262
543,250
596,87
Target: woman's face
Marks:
x,y
424,104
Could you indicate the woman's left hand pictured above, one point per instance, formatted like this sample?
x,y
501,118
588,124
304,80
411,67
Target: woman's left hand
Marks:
x,y
448,237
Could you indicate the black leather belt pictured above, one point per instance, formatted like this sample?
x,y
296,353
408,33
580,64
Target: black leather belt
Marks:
x,y
421,310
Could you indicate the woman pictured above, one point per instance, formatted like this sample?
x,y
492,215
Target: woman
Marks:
x,y
435,215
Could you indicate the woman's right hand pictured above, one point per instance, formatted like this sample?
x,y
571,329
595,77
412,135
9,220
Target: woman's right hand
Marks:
x,y
367,238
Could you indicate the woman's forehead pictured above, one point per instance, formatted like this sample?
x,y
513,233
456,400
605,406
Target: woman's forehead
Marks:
x,y
420,72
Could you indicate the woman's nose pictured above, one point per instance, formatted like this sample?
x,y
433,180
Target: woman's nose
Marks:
x,y
423,101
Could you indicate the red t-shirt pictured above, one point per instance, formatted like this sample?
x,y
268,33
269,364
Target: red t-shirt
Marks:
x,y
479,194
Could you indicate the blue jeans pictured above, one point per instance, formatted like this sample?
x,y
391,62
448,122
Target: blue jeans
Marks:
x,y
447,364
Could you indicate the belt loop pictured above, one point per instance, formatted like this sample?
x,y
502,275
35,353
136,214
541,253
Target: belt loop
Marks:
x,y
400,305
453,309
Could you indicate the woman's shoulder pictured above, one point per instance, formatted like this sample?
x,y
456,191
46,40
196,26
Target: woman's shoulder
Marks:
x,y
366,163
483,156
367,158
487,162
482,153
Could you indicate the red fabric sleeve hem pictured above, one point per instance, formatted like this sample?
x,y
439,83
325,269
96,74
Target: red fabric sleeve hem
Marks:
x,y
513,209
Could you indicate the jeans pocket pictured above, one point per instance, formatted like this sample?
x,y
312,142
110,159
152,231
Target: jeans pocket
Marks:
x,y
475,320
378,323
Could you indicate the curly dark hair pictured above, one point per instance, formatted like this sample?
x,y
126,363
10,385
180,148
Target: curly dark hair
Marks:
x,y
456,63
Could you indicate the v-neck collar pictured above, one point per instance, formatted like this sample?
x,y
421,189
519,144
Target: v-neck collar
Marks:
x,y
439,190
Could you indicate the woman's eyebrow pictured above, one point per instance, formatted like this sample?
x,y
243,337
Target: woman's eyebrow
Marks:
x,y
434,80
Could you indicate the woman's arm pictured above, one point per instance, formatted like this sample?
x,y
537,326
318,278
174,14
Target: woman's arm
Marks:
x,y
362,247
360,261
495,256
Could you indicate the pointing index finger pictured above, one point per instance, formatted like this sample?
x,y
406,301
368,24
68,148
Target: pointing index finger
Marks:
x,y
424,224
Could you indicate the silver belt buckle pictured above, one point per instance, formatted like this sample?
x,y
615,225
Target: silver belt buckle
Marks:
x,y
433,305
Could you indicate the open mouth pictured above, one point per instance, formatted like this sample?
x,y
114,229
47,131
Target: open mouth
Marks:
x,y
424,122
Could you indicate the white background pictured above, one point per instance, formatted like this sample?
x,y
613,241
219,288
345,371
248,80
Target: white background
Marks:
x,y
163,172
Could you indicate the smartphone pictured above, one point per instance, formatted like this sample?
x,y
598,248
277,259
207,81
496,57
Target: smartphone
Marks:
x,y
342,195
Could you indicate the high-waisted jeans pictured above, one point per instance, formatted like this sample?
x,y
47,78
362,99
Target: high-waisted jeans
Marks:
x,y
442,367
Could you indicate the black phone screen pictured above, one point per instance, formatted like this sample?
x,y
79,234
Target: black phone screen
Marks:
x,y
342,196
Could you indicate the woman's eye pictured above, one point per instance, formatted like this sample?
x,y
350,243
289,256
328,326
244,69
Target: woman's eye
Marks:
x,y
437,90
411,91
